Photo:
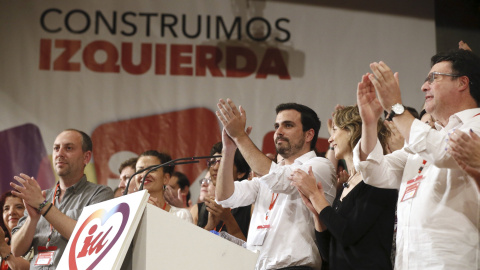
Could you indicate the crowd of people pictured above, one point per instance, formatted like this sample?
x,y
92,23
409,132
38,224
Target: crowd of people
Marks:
x,y
396,189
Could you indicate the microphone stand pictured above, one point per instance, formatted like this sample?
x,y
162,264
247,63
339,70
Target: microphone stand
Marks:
x,y
131,177
160,166
169,163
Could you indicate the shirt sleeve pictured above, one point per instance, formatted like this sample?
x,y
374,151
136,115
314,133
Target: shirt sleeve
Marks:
x,y
102,193
20,223
277,179
383,171
184,214
323,244
431,144
245,193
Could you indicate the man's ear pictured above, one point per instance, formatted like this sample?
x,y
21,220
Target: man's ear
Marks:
x,y
86,157
166,178
464,83
185,190
309,135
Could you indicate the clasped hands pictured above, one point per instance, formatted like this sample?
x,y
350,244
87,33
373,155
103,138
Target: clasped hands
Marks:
x,y
30,192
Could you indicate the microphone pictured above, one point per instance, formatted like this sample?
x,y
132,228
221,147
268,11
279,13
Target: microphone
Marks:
x,y
169,163
131,177
173,163
163,165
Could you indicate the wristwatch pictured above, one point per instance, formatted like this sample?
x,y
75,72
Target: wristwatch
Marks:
x,y
397,109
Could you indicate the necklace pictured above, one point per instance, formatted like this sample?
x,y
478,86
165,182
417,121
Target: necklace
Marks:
x,y
347,184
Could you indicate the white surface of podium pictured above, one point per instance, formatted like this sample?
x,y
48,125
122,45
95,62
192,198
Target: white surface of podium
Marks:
x,y
164,241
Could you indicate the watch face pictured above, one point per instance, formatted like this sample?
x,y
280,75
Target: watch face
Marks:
x,y
398,108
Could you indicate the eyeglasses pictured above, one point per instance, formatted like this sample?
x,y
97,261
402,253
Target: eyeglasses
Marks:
x,y
205,181
213,162
431,77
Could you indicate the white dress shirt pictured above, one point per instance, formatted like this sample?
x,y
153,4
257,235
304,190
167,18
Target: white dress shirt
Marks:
x,y
290,241
439,227
182,213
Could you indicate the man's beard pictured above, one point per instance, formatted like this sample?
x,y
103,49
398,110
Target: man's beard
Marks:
x,y
288,150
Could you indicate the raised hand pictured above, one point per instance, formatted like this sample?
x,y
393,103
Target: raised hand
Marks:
x,y
4,248
234,120
217,210
464,46
369,106
28,190
172,198
386,85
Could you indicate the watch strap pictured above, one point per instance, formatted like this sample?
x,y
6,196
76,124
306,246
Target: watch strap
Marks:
x,y
390,115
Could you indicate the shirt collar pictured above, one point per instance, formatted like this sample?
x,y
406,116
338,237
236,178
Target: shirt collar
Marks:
x,y
462,117
77,186
305,157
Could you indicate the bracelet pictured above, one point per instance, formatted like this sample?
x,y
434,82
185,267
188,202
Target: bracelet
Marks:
x,y
6,257
39,210
48,209
331,148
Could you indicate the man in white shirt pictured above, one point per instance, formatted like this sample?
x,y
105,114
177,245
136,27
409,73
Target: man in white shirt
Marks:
x,y
438,206
282,227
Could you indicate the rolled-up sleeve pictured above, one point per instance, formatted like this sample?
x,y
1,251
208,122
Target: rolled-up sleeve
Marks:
x,y
245,193
431,144
379,170
278,178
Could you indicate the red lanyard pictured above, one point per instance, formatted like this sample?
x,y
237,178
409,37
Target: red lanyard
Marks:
x,y
272,204
164,205
223,225
419,176
422,166
53,202
4,265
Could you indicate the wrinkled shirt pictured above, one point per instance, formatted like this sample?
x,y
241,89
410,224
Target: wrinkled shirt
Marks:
x,y
290,241
439,227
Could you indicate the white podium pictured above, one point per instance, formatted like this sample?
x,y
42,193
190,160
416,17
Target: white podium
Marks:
x,y
102,239
163,241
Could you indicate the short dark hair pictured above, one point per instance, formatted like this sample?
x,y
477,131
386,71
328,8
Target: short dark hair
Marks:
x,y
87,144
238,160
131,162
309,119
182,182
464,63
162,157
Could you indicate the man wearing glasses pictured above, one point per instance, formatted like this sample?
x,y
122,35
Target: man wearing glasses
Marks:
x,y
438,206
282,227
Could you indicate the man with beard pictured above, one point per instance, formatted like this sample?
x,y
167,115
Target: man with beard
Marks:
x,y
50,217
281,227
